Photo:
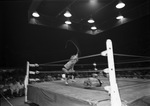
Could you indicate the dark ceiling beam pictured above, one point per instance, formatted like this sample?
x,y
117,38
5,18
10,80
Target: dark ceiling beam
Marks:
x,y
67,7
103,7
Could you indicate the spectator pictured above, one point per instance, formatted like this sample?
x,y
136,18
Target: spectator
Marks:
x,y
14,88
20,86
4,90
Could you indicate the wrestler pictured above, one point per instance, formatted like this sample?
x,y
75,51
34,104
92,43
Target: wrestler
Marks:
x,y
93,81
68,68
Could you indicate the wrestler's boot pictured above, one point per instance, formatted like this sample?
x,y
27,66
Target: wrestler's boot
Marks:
x,y
73,78
66,80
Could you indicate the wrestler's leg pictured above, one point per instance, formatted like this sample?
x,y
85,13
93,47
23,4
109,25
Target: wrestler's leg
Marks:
x,y
66,75
73,76
65,70
67,78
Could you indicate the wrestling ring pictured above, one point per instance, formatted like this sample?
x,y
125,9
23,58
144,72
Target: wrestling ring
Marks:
x,y
119,87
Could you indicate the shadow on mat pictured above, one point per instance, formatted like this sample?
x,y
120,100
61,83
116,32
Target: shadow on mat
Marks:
x,y
143,101
32,104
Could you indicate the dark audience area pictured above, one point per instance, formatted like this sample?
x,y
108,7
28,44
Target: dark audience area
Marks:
x,y
12,80
12,83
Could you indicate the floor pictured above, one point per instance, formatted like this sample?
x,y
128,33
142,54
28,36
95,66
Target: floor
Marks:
x,y
17,101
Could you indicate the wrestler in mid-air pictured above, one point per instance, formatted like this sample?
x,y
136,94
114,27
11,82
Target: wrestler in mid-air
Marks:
x,y
68,68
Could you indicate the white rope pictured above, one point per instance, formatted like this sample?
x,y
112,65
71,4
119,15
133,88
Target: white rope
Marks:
x,y
138,61
133,62
89,56
127,55
94,55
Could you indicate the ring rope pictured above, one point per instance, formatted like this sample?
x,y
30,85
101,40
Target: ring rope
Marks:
x,y
83,57
83,71
97,64
133,62
126,55
89,56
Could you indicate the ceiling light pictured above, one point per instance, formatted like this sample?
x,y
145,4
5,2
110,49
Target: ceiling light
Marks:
x,y
91,20
93,2
119,17
93,28
120,5
35,14
67,14
67,22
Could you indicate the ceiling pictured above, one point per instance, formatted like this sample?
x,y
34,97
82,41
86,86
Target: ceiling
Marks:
x,y
42,39
103,12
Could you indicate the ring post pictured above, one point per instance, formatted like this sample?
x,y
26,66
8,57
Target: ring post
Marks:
x,y
26,81
115,97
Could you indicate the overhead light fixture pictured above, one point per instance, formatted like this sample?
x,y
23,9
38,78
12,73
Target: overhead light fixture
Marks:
x,y
67,14
93,27
91,20
35,14
119,17
93,3
120,5
67,22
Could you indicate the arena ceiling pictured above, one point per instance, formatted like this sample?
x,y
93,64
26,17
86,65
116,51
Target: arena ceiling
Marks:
x,y
104,13
43,39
